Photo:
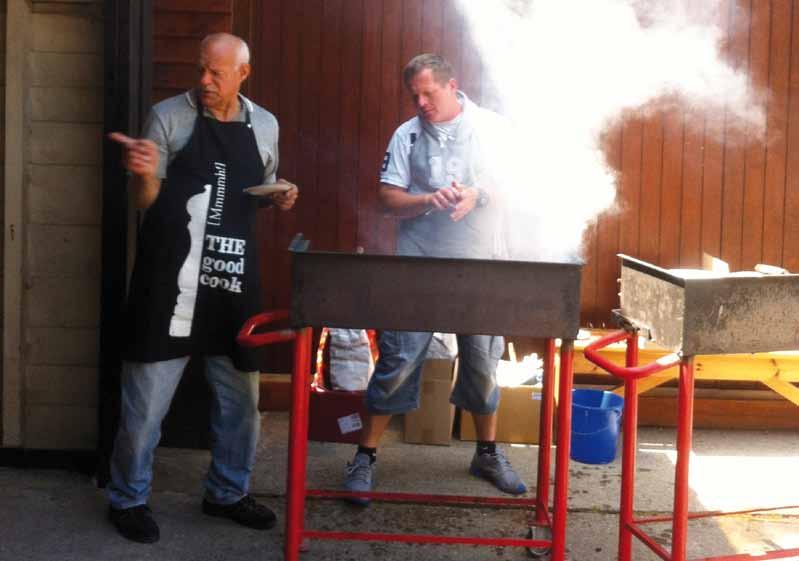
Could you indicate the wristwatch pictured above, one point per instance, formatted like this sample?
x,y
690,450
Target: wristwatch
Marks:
x,y
482,198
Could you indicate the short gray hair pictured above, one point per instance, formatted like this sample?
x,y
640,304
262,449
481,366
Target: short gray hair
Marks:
x,y
441,68
242,49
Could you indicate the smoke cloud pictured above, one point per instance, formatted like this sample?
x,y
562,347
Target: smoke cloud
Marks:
x,y
567,70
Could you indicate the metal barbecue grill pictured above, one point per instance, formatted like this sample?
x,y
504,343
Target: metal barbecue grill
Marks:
x,y
690,313
705,313
430,294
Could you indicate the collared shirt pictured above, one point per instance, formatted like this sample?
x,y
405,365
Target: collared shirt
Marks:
x,y
423,157
171,123
396,163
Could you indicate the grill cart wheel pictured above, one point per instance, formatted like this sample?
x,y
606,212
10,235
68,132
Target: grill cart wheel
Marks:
x,y
539,533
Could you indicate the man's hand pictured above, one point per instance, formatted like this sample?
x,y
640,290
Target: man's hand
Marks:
x,y
458,197
139,156
445,198
286,199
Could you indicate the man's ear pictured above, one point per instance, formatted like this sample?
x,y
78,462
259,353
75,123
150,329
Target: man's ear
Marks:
x,y
454,83
244,71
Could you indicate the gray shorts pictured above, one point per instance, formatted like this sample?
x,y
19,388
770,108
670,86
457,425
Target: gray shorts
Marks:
x,y
394,386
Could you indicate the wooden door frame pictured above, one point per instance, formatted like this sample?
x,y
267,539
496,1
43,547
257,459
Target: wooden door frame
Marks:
x,y
127,92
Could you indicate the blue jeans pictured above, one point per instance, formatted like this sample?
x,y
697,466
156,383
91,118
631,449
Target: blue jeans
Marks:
x,y
394,386
147,391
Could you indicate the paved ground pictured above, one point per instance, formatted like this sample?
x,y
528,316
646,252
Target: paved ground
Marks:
x,y
54,515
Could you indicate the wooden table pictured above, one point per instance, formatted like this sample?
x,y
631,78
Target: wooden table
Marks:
x,y
779,371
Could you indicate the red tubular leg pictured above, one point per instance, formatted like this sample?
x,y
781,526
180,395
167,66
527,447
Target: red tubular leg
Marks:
x,y
629,448
545,434
298,445
685,422
562,454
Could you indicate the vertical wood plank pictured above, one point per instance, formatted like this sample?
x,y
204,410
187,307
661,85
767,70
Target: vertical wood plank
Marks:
x,y
695,122
328,179
713,180
385,227
267,67
608,235
712,193
309,109
588,286
651,175
734,148
452,35
276,271
672,186
243,20
349,201
630,192
432,26
369,123
471,71
411,46
790,256
264,75
755,159
692,183
777,126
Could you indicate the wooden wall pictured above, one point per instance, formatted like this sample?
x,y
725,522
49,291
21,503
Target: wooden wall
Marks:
x,y
178,27
330,71
684,191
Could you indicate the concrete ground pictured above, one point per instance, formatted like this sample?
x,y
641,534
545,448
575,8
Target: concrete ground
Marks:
x,y
54,515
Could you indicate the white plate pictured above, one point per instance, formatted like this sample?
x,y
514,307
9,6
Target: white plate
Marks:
x,y
263,190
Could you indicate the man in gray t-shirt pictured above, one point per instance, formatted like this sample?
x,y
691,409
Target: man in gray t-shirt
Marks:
x,y
171,123
435,178
207,161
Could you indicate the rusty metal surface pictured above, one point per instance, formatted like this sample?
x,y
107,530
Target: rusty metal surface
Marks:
x,y
467,296
704,316
655,304
742,315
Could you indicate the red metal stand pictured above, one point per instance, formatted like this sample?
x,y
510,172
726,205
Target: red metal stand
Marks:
x,y
629,526
298,447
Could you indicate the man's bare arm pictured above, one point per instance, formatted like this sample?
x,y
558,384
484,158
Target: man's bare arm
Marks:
x,y
402,204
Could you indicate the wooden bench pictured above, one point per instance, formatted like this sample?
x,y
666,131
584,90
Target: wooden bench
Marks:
x,y
717,406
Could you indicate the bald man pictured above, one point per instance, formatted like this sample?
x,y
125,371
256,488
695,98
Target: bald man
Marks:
x,y
207,161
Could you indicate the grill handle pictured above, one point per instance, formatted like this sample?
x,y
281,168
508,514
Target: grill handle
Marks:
x,y
626,372
246,338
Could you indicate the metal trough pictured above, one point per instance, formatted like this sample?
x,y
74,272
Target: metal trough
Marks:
x,y
720,314
468,296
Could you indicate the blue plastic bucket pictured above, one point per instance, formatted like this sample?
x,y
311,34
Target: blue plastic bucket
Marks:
x,y
596,423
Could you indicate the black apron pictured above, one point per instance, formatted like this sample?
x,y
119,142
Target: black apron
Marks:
x,y
195,280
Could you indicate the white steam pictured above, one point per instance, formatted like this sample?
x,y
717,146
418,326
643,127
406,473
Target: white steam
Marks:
x,y
565,70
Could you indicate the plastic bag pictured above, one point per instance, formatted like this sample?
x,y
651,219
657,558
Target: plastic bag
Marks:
x,y
351,362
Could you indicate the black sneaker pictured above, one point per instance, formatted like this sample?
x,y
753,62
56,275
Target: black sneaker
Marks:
x,y
135,523
246,512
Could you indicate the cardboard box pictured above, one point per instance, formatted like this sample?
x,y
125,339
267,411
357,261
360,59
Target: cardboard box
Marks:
x,y
518,416
432,422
